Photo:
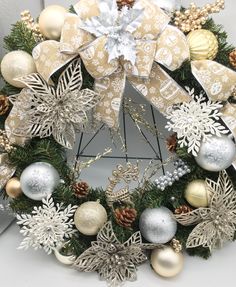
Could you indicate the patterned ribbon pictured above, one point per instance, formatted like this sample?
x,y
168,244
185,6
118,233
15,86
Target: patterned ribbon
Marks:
x,y
156,41
219,82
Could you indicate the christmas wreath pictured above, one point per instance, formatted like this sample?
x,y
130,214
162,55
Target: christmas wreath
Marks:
x,y
68,76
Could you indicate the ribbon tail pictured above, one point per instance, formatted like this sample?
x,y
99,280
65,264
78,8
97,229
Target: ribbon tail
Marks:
x,y
160,89
111,89
217,80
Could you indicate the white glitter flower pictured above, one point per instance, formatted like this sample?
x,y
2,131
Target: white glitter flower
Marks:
x,y
47,226
118,27
195,122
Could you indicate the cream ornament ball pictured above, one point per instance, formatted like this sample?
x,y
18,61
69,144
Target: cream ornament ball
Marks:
x,y
203,45
13,188
196,193
166,262
15,65
90,217
51,21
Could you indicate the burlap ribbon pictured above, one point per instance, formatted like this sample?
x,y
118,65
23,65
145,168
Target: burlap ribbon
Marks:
x,y
156,41
219,83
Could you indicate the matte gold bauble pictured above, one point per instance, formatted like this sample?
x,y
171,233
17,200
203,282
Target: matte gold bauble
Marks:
x,y
15,65
196,193
13,188
90,217
166,262
51,21
203,45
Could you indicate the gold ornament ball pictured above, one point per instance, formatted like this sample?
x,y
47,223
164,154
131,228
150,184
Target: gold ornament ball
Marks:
x,y
166,262
90,217
51,21
203,45
196,193
13,188
15,65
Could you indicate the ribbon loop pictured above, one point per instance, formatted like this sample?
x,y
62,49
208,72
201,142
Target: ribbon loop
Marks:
x,y
172,48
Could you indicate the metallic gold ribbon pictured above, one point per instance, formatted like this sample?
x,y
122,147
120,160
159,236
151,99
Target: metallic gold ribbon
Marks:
x,y
156,41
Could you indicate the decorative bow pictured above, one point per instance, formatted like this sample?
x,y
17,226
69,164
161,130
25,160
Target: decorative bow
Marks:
x,y
113,53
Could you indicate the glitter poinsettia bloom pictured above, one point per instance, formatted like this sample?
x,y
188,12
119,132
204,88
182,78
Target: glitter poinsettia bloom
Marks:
x,y
118,27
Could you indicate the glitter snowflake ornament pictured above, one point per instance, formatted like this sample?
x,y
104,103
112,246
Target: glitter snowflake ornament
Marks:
x,y
47,227
114,261
217,223
118,27
195,122
59,111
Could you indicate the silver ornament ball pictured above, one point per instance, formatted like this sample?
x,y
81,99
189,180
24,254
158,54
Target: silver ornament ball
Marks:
x,y
15,65
157,225
168,5
39,180
216,154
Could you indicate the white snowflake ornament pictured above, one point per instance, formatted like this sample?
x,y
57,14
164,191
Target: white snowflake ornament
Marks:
x,y
47,226
195,122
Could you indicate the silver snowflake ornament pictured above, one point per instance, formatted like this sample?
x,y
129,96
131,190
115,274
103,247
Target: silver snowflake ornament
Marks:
x,y
118,27
195,122
47,226
216,224
114,261
58,111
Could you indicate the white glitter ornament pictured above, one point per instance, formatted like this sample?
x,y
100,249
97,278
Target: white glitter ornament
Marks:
x,y
39,180
17,64
157,225
216,154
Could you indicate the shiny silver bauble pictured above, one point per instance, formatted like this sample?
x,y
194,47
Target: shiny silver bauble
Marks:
x,y
39,180
157,225
216,154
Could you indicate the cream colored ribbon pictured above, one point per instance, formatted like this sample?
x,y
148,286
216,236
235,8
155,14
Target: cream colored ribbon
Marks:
x,y
156,41
219,83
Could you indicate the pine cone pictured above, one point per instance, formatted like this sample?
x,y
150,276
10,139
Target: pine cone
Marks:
x,y
4,105
171,143
183,209
122,3
125,216
81,189
232,58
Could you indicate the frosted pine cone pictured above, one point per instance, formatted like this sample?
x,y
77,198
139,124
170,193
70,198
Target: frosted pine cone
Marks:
x,y
125,216
232,58
81,189
183,209
122,3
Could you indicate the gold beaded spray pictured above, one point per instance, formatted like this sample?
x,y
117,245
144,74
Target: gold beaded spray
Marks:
x,y
32,25
194,17
4,142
